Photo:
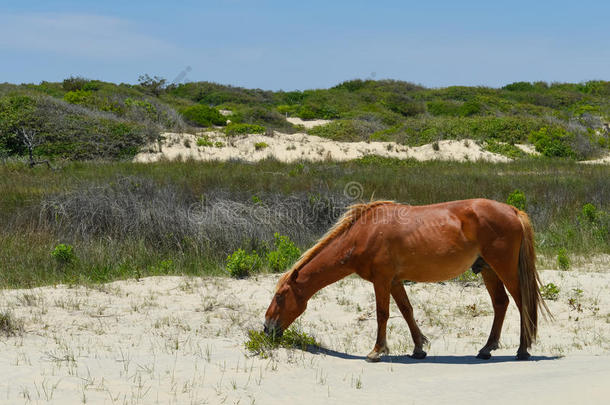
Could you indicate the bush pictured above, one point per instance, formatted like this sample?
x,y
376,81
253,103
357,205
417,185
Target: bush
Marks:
x,y
63,254
517,199
284,255
589,213
74,83
504,149
563,261
260,145
241,264
244,129
549,292
552,142
203,115
204,141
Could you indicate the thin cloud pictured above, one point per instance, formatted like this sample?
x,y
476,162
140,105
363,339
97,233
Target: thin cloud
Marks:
x,y
84,35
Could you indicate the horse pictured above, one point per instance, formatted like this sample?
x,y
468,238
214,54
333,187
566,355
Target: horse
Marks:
x,y
385,242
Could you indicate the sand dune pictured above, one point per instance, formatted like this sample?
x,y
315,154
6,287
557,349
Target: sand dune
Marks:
x,y
295,147
180,340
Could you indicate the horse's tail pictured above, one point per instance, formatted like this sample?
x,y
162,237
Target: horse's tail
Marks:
x,y
529,282
353,213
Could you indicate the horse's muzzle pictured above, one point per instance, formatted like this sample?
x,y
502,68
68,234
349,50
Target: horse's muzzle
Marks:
x,y
273,329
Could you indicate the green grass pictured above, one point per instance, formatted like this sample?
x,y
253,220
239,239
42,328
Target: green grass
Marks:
x,y
556,192
260,344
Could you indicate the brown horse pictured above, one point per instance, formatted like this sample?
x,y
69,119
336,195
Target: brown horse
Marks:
x,y
386,243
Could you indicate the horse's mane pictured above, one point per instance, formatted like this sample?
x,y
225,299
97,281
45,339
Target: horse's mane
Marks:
x,y
353,213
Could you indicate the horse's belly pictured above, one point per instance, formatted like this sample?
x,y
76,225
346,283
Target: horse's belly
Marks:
x,y
436,260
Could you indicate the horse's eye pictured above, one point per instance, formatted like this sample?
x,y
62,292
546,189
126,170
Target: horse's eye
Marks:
x,y
279,297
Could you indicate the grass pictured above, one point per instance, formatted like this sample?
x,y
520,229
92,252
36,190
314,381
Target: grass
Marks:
x,y
9,325
127,220
260,344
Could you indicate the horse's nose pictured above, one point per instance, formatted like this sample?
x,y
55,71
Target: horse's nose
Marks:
x,y
265,328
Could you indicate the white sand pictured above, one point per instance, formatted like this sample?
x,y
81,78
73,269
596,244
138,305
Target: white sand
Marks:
x,y
307,123
295,147
179,340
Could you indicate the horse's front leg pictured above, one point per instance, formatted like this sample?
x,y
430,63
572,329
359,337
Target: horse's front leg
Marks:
x,y
382,299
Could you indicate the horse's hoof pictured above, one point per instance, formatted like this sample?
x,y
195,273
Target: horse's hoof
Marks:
x,y
419,355
373,359
523,356
484,356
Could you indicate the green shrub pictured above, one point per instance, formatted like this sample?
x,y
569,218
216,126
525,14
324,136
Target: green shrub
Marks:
x,y
260,145
63,254
284,255
517,199
74,83
203,115
563,261
552,142
550,292
589,213
83,97
260,344
219,144
241,264
204,141
243,129
504,149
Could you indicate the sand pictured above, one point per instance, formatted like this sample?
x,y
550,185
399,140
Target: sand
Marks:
x,y
179,340
300,146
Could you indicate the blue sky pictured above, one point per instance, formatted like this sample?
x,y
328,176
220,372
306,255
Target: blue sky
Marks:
x,y
306,44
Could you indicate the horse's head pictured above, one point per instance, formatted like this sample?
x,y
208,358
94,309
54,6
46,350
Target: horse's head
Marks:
x,y
286,306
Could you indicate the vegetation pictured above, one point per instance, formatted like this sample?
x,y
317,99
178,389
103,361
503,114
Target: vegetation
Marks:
x,y
517,199
284,255
127,220
9,325
549,292
260,344
241,264
89,119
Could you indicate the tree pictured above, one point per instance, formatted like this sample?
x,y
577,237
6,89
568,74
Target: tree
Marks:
x,y
156,85
31,140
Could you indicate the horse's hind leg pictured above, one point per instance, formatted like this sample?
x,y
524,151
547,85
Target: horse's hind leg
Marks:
x,y
402,300
499,300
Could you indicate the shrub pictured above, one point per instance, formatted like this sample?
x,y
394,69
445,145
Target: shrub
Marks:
x,y
204,141
563,261
552,142
243,129
284,255
241,264
83,97
74,83
549,292
63,254
203,115
517,199
589,212
260,145
504,149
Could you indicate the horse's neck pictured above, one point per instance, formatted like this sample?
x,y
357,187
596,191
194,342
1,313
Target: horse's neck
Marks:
x,y
316,275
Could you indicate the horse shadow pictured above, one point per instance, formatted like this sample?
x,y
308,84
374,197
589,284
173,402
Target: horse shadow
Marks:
x,y
445,359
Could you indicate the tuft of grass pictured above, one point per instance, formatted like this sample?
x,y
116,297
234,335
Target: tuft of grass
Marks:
x,y
261,145
467,277
260,344
9,325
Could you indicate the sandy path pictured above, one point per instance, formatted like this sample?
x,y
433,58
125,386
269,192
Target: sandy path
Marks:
x,y
180,340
